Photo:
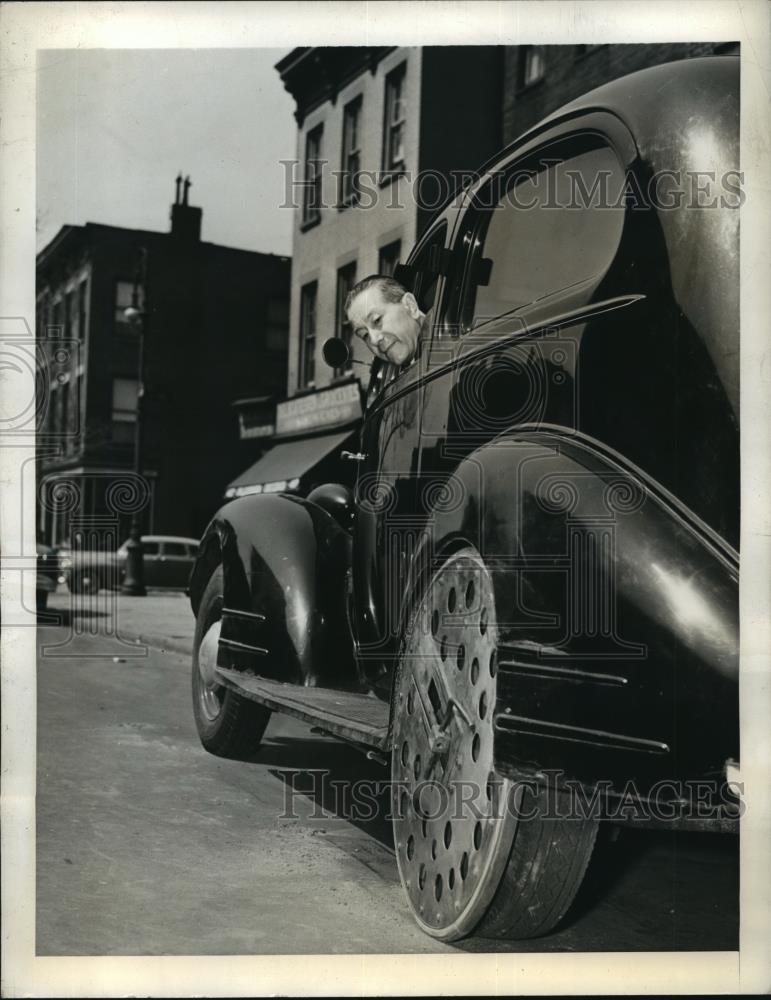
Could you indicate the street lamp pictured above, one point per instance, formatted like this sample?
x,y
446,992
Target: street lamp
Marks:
x,y
134,580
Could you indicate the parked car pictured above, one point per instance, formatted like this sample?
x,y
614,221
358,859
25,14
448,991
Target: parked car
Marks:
x,y
532,593
87,570
168,560
47,574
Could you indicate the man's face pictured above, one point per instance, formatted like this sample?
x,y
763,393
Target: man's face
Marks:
x,y
391,330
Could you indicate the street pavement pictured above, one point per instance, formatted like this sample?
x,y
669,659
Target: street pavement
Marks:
x,y
163,618
147,845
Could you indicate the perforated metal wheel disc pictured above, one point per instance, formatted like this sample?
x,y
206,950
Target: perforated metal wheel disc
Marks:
x,y
452,826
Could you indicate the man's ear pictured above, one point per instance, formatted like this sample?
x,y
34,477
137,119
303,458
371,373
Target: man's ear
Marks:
x,y
411,304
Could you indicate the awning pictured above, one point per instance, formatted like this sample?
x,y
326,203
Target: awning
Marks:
x,y
285,464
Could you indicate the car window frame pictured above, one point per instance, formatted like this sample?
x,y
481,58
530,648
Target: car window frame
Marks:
x,y
394,375
602,126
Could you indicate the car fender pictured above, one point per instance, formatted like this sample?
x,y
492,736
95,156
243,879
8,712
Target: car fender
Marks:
x,y
617,610
285,564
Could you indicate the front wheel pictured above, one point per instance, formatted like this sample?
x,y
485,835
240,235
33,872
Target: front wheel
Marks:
x,y
467,862
228,725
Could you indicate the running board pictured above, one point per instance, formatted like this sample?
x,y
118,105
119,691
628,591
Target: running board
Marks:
x,y
360,718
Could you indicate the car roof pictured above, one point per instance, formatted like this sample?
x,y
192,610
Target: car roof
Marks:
x,y
656,104
169,538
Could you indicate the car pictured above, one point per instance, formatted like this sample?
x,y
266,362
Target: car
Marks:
x,y
167,563
86,570
528,605
168,560
47,574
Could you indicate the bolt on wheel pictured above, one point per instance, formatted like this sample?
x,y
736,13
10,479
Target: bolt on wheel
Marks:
x,y
453,827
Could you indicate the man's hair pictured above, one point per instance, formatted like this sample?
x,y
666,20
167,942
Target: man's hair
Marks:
x,y
391,289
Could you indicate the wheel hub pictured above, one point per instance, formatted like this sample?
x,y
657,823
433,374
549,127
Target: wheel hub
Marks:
x,y
451,833
210,691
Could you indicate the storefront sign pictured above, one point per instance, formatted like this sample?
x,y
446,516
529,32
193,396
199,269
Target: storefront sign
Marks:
x,y
256,431
325,408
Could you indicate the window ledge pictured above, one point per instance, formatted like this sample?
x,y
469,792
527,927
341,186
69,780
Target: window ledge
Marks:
x,y
310,223
526,87
389,176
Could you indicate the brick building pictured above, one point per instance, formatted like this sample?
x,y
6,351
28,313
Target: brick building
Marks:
x,y
538,79
216,329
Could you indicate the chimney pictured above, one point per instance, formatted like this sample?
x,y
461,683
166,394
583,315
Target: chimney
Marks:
x,y
185,220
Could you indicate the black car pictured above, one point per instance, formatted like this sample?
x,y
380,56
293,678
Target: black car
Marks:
x,y
530,600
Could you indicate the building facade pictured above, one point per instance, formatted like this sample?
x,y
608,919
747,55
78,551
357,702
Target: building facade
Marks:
x,y
215,328
538,79
384,137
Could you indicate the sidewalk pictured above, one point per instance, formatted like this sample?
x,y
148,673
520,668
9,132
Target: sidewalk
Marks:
x,y
163,619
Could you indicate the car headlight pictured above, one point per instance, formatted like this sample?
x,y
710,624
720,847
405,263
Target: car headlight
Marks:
x,y
65,562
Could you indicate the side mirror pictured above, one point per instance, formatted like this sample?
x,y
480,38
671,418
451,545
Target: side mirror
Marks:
x,y
336,353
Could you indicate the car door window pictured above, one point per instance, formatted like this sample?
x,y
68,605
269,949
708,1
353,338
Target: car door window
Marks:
x,y
150,548
422,279
175,549
550,224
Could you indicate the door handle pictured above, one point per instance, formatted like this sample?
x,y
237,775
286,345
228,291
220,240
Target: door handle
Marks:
x,y
353,456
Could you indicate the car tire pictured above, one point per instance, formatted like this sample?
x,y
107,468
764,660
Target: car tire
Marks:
x,y
476,852
228,725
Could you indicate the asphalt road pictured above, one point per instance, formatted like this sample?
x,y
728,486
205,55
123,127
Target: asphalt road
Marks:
x,y
147,845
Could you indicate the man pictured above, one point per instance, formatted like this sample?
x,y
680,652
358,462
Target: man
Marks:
x,y
387,318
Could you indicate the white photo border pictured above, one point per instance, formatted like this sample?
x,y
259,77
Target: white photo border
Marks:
x,y
27,27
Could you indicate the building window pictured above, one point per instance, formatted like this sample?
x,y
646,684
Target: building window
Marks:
x,y
124,409
55,328
62,417
307,334
53,403
351,157
346,279
394,122
312,199
82,311
124,297
69,314
531,65
388,257
277,325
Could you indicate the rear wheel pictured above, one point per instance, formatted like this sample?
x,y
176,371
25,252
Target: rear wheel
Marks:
x,y
466,861
228,725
